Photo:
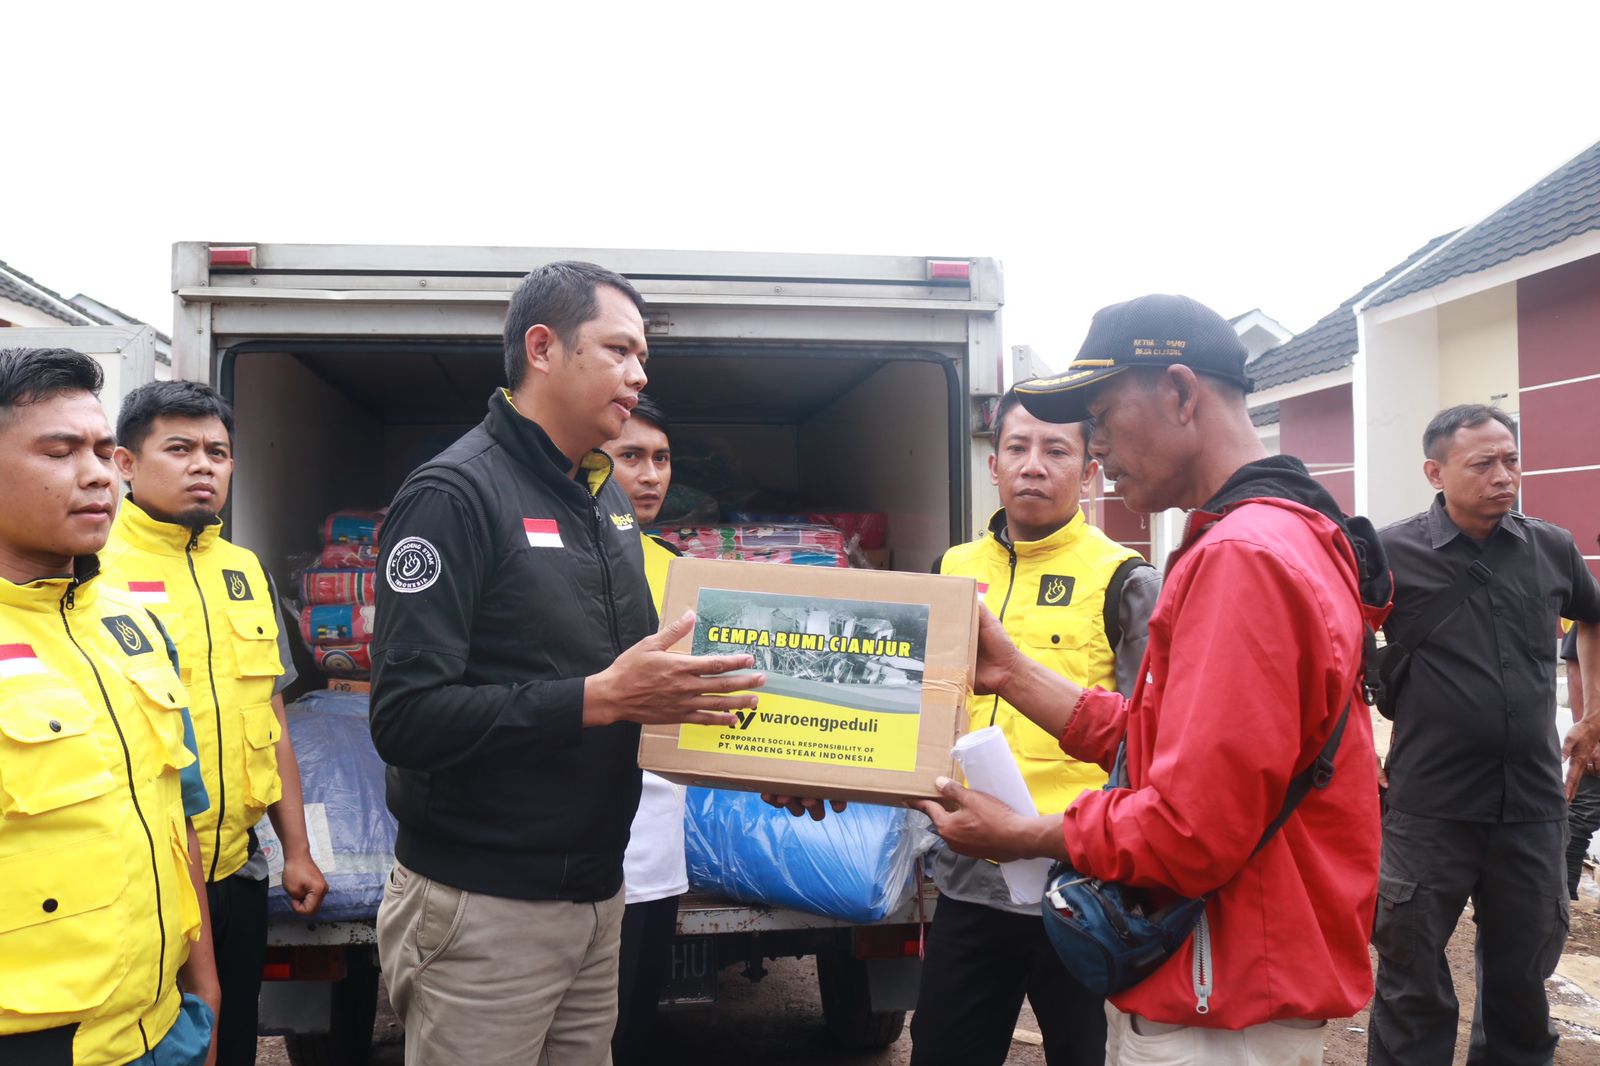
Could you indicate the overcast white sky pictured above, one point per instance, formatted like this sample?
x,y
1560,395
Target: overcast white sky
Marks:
x,y
1274,155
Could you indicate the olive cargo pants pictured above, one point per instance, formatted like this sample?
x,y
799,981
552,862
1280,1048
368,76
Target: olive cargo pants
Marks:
x,y
499,982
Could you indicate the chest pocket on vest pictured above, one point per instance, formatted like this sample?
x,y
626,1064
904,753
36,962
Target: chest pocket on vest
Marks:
x,y
255,647
261,732
1058,638
49,757
162,699
65,870
57,920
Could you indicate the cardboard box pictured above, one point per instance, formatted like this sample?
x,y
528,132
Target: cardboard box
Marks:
x,y
879,558
345,684
868,678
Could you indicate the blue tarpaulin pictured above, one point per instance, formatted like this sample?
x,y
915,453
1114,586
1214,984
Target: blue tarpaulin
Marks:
x,y
854,865
342,779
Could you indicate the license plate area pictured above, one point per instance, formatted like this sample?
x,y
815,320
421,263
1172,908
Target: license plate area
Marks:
x,y
692,978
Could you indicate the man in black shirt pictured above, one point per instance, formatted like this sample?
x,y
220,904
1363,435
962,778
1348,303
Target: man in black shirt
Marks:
x,y
514,656
1476,806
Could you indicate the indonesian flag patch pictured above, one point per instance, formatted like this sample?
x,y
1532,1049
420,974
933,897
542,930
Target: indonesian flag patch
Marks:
x,y
983,590
542,532
148,591
18,659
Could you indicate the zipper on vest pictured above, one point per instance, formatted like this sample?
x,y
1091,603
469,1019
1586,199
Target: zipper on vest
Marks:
x,y
133,792
605,574
211,676
1011,582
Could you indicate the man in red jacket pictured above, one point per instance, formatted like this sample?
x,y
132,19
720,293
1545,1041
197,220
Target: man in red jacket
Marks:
x,y
1255,649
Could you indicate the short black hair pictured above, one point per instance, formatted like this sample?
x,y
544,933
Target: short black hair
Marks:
x,y
1441,432
168,399
28,375
653,413
1009,402
560,295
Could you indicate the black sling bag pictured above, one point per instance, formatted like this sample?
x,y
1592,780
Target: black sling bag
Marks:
x,y
1394,658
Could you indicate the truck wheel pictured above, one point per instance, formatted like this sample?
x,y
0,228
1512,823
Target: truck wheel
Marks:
x,y
348,1041
847,1004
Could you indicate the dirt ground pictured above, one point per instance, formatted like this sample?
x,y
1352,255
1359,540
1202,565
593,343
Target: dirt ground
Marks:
x,y
778,1021
1580,1043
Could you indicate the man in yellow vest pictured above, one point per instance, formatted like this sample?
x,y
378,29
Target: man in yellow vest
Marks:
x,y
1079,603
175,451
654,871
100,881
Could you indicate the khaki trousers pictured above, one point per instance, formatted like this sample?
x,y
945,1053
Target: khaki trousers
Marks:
x,y
1133,1041
487,981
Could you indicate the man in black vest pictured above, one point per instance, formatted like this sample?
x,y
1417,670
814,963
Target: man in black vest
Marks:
x,y
515,653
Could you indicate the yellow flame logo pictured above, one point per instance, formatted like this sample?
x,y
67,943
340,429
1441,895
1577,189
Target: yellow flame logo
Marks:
x,y
236,586
128,635
1054,591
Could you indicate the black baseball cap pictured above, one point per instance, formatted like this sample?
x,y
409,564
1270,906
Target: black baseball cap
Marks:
x,y
1157,330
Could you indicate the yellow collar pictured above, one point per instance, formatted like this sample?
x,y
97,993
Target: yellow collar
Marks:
x,y
45,594
135,526
1061,538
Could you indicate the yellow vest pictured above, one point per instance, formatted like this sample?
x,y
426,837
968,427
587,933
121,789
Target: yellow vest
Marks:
x,y
212,598
1051,595
97,911
656,561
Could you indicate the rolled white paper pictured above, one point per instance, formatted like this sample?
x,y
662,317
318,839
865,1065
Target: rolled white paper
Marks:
x,y
986,760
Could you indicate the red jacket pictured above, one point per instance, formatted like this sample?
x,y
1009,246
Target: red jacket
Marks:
x,y
1255,647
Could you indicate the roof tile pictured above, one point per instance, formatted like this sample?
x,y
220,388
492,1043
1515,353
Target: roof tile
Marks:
x,y
1330,344
17,286
1562,205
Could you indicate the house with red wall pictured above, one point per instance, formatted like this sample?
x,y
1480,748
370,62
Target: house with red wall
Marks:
x,y
1301,403
1505,312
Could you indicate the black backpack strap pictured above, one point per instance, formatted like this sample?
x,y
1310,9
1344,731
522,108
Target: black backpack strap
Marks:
x,y
1474,576
1112,613
1318,775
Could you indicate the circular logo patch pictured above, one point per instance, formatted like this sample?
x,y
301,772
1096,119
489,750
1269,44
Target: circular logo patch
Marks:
x,y
413,565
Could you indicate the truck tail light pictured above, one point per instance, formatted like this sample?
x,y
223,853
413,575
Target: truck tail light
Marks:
x,y
233,255
949,270
885,942
303,964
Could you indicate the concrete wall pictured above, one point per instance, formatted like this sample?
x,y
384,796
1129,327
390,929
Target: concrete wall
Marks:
x,y
1478,349
1558,335
1396,392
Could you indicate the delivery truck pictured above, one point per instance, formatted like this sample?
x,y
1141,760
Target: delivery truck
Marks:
x,y
850,382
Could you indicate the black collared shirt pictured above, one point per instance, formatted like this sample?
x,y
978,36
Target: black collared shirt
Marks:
x,y
1475,732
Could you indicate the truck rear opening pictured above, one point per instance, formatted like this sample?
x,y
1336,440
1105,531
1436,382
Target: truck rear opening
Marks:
x,y
324,425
